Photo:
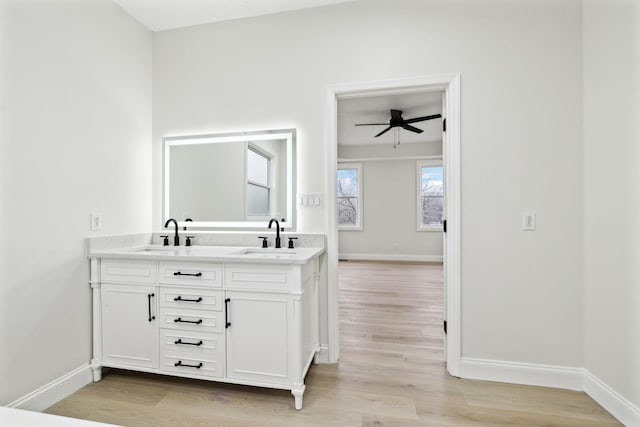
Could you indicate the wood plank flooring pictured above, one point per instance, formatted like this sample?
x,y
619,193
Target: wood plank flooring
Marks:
x,y
391,373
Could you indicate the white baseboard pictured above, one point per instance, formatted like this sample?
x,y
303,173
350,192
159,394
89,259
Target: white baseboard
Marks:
x,y
390,257
522,373
626,412
564,377
323,354
55,391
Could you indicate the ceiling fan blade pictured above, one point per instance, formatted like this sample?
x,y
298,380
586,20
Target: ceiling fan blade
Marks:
x,y
386,130
421,119
372,124
411,128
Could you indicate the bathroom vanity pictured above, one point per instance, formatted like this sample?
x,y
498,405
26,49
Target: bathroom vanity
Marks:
x,y
231,314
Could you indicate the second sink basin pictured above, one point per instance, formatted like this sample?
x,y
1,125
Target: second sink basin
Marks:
x,y
267,253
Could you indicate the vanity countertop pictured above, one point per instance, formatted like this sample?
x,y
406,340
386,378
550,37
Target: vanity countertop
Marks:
x,y
220,254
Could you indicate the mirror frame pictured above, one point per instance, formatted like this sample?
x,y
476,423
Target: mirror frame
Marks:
x,y
289,135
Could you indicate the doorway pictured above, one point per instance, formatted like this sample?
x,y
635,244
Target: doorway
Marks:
x,y
450,85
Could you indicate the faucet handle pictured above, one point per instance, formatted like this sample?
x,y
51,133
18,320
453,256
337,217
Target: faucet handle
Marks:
x,y
291,239
165,241
264,241
188,241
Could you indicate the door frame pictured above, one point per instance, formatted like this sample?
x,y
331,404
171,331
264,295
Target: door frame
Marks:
x,y
450,84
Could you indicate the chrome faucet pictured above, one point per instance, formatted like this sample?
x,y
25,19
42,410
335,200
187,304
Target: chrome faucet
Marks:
x,y
176,238
277,231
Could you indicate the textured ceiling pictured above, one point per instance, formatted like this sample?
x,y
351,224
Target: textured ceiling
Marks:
x,y
158,15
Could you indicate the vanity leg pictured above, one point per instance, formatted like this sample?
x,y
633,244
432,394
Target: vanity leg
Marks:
x,y
96,363
96,370
298,392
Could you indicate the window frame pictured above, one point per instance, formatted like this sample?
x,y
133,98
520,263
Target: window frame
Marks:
x,y
358,226
249,182
419,165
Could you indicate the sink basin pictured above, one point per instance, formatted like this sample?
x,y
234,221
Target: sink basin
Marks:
x,y
200,251
156,251
268,253
186,250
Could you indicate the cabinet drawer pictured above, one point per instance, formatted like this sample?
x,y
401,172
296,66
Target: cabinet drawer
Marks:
x,y
191,298
191,320
257,278
128,271
192,342
191,273
192,364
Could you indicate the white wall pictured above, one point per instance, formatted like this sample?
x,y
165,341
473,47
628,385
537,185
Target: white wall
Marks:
x,y
611,55
389,205
75,107
521,134
208,182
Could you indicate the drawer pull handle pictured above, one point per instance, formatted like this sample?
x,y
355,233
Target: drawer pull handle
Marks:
x,y
179,320
179,341
179,363
149,296
179,298
226,313
179,273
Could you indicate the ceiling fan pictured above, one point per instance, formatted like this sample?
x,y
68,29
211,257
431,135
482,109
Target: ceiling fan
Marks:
x,y
397,121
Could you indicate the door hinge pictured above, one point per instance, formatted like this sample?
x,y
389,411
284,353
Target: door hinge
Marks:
x,y
445,326
444,226
444,125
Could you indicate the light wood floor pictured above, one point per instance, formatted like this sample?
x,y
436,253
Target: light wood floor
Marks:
x,y
390,374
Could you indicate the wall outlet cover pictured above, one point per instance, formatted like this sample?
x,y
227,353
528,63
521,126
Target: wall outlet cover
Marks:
x,y
529,221
96,221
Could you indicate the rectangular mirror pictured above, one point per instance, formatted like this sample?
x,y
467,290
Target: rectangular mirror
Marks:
x,y
234,180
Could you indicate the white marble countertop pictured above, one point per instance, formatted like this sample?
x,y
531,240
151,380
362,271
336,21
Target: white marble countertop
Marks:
x,y
21,418
219,254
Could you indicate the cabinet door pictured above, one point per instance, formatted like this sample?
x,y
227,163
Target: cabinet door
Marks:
x,y
258,342
129,327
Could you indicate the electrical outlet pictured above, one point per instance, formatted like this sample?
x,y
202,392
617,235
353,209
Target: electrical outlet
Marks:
x,y
529,221
96,221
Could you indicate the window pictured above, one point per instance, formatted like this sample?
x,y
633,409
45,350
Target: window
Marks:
x,y
430,195
258,189
349,191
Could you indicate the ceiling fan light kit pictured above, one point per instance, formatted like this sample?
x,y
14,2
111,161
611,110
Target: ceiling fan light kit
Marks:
x,y
397,122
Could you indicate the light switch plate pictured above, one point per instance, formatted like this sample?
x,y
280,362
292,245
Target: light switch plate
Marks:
x,y
310,200
96,221
529,221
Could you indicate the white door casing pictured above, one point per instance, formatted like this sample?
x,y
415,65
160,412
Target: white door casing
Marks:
x,y
450,84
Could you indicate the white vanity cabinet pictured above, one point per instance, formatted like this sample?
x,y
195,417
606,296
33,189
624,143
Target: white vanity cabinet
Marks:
x,y
128,307
258,336
129,332
272,332
245,323
191,319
